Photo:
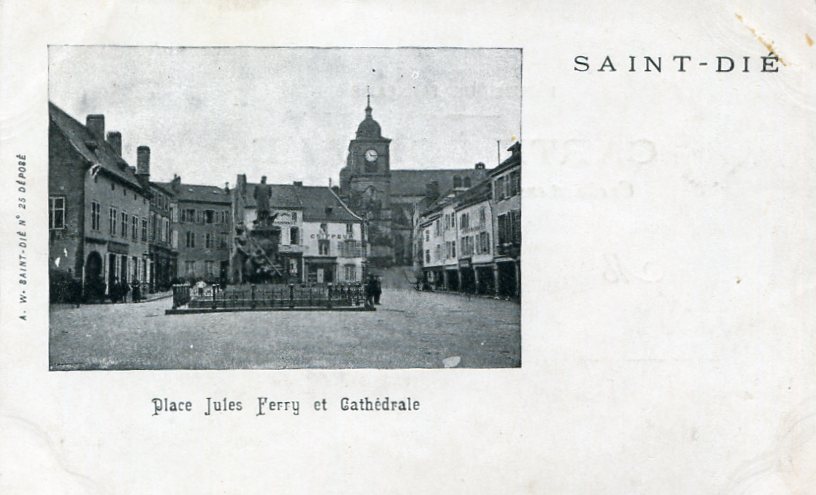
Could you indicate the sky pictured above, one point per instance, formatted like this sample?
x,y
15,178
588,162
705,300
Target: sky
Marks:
x,y
208,114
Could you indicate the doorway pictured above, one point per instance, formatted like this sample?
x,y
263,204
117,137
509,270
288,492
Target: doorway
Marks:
x,y
111,269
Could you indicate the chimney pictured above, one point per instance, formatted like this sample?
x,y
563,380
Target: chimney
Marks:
x,y
176,184
143,161
240,183
298,183
96,124
480,166
515,148
115,140
226,187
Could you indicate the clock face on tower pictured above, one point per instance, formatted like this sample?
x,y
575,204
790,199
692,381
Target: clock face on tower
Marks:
x,y
371,155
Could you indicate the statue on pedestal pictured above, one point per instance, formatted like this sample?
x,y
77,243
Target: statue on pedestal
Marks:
x,y
262,193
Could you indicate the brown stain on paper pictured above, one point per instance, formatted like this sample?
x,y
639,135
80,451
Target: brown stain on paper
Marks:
x,y
767,44
808,40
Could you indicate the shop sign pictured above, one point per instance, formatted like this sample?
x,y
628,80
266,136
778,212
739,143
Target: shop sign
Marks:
x,y
333,236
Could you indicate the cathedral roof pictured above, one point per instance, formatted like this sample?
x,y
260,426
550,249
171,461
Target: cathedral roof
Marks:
x,y
412,182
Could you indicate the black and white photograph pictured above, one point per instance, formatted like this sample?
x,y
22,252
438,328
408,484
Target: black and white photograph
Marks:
x,y
278,208
256,247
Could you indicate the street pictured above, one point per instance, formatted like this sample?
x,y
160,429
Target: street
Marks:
x,y
409,330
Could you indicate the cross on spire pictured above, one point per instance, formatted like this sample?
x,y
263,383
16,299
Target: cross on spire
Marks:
x,y
368,100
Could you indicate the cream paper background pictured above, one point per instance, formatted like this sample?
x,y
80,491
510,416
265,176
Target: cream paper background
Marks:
x,y
669,274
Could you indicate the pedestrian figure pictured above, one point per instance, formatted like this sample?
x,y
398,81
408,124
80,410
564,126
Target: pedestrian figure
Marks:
x,y
124,288
114,290
137,291
370,287
377,289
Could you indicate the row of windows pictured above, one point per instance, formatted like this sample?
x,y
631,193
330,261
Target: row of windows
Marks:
x,y
510,227
345,249
160,200
470,245
465,220
449,223
478,244
211,240
128,226
119,223
191,215
131,227
324,228
159,228
508,185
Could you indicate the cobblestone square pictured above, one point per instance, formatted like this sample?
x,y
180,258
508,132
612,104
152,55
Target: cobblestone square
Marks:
x,y
409,330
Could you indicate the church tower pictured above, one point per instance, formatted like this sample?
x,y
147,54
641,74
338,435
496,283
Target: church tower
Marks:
x,y
365,183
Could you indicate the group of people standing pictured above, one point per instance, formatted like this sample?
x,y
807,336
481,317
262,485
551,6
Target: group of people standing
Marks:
x,y
71,291
373,290
118,291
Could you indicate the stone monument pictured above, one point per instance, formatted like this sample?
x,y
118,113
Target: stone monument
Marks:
x,y
255,256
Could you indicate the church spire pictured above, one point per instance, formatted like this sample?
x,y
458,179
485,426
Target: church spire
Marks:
x,y
369,128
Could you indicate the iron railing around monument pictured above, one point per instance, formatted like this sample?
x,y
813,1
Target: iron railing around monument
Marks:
x,y
269,296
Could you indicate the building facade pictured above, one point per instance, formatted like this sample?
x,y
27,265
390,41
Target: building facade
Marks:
x,y
163,238
200,226
474,227
98,207
321,239
470,240
506,191
433,256
162,255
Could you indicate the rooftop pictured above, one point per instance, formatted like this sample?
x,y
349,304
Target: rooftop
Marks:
x,y
96,151
413,182
197,193
318,203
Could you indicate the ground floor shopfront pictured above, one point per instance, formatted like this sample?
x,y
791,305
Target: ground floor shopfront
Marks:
x,y
508,277
162,268
330,269
499,278
109,262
